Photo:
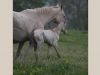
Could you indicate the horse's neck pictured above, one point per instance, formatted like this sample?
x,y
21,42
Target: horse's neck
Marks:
x,y
43,15
57,29
38,17
46,14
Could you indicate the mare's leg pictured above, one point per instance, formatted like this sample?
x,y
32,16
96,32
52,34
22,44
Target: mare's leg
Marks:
x,y
26,51
19,49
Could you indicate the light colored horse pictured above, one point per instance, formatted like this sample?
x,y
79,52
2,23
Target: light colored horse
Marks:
x,y
50,37
27,20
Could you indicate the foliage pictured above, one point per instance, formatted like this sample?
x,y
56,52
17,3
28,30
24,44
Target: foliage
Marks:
x,y
74,61
25,4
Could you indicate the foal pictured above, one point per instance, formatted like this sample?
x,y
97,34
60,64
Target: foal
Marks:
x,y
50,37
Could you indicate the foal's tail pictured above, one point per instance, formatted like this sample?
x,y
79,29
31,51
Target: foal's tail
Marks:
x,y
32,40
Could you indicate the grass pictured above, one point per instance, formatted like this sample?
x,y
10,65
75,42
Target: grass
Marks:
x,y
74,61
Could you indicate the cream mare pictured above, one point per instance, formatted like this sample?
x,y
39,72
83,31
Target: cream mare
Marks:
x,y
50,37
27,20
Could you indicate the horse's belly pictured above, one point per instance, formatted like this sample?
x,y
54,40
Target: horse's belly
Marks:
x,y
19,35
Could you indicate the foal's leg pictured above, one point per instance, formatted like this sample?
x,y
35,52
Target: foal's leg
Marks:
x,y
57,50
37,51
48,52
19,49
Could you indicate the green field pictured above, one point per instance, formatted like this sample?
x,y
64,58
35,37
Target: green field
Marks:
x,y
74,58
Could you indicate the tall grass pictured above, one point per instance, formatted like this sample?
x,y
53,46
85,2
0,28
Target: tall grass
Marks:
x,y
74,60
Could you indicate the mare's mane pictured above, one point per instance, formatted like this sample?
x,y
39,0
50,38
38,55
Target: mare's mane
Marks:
x,y
42,10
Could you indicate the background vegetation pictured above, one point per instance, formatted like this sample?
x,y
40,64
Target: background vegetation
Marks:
x,y
74,61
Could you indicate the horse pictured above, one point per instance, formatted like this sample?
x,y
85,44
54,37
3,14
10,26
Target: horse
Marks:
x,y
27,20
50,37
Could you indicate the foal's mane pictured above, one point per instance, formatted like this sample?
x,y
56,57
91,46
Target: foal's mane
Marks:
x,y
58,28
55,29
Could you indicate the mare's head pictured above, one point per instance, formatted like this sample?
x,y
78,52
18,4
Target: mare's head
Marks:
x,y
61,18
